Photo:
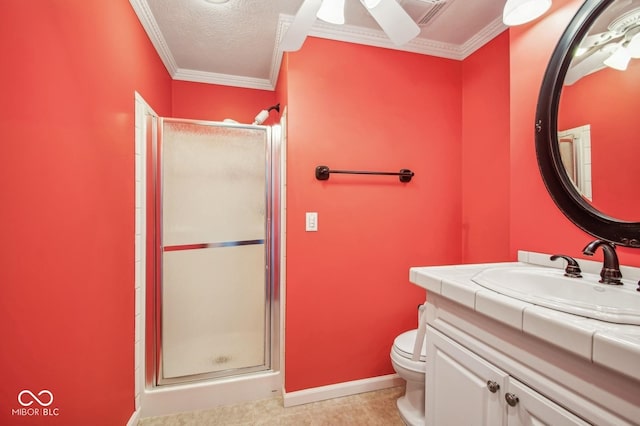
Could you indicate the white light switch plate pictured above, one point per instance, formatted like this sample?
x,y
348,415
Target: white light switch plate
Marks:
x,y
312,222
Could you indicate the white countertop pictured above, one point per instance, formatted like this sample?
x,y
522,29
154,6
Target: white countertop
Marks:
x,y
615,346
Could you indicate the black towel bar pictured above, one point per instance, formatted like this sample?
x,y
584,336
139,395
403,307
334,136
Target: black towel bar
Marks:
x,y
323,172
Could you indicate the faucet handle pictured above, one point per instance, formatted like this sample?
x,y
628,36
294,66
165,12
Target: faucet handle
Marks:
x,y
573,269
610,273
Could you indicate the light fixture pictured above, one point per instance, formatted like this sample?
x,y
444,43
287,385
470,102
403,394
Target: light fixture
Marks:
x,y
332,11
620,58
580,51
264,114
217,1
517,12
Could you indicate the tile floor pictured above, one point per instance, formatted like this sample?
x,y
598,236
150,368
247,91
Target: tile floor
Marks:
x,y
367,409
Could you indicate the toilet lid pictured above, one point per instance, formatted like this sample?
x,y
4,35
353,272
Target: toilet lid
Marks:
x,y
403,344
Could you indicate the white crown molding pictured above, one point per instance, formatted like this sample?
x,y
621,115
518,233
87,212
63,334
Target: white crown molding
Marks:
x,y
155,35
276,57
485,35
345,33
223,79
378,38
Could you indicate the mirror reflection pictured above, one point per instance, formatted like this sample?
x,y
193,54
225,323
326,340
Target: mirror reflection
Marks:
x,y
575,153
598,121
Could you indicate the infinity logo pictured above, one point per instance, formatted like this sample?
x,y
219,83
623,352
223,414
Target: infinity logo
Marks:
x,y
35,398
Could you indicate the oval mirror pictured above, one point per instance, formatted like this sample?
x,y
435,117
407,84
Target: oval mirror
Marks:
x,y
586,121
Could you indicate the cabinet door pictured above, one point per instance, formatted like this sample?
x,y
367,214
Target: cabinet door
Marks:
x,y
533,409
457,391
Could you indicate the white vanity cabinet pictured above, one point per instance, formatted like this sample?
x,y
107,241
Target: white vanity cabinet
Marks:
x,y
564,369
465,389
475,362
456,385
532,408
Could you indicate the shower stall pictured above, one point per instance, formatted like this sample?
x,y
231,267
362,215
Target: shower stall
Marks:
x,y
213,253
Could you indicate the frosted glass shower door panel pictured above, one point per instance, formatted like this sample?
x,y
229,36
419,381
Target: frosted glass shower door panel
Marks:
x,y
214,312
214,256
214,183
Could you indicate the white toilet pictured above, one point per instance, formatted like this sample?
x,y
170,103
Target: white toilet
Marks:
x,y
412,369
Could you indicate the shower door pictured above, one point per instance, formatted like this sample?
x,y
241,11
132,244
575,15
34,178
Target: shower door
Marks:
x,y
214,250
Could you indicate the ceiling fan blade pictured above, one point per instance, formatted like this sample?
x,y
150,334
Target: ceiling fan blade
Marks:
x,y
299,28
590,64
394,20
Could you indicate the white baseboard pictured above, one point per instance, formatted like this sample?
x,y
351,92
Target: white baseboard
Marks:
x,y
341,389
133,421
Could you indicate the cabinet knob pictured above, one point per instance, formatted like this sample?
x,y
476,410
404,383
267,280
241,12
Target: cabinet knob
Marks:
x,y
492,386
512,400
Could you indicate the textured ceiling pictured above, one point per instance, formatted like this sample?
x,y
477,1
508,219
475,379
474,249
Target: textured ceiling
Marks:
x,y
237,43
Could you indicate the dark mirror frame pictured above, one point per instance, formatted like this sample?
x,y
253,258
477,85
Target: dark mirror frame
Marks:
x,y
558,183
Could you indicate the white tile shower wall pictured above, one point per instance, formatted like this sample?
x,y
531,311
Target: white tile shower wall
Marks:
x,y
142,110
139,120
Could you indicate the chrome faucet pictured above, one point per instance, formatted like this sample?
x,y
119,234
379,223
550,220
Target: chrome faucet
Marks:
x,y
610,273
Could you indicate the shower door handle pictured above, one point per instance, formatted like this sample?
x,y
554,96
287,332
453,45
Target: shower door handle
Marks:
x,y
212,245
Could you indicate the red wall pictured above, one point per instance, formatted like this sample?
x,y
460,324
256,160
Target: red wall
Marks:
x,y
282,87
212,102
485,153
70,68
364,108
351,277
536,223
67,193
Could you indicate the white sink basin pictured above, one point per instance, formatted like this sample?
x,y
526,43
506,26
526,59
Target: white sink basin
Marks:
x,y
549,287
